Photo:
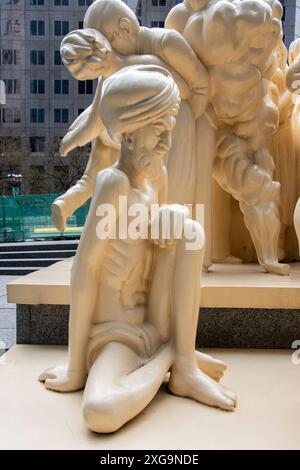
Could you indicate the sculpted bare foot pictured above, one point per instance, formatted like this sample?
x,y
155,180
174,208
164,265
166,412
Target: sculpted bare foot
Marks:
x,y
188,381
212,367
60,379
277,268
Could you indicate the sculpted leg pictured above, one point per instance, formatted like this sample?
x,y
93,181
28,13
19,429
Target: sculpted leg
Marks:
x,y
160,313
206,150
258,195
119,386
186,379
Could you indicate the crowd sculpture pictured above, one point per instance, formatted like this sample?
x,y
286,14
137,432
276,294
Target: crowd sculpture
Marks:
x,y
210,99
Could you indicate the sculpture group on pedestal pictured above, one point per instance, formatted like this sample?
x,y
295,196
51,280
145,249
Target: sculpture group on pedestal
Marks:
x,y
207,97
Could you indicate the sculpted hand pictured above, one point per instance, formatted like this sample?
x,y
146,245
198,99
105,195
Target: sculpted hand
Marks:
x,y
60,379
68,143
168,227
58,219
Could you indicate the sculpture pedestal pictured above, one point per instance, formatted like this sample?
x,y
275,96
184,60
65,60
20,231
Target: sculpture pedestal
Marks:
x,y
39,419
242,306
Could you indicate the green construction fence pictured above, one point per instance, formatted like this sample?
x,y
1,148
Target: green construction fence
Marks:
x,y
29,217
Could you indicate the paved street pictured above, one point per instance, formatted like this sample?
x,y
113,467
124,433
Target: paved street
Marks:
x,y
7,317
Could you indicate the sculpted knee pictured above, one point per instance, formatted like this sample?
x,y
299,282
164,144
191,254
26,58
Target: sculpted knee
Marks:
x,y
102,416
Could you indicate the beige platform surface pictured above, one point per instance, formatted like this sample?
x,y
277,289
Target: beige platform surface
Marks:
x,y
229,286
267,417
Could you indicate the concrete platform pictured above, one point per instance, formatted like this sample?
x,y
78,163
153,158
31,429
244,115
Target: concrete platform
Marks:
x,y
226,286
267,417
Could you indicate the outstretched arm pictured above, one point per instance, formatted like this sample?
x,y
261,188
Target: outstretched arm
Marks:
x,y
85,128
64,206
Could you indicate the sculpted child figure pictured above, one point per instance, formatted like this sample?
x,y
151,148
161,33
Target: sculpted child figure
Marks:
x,y
87,54
135,302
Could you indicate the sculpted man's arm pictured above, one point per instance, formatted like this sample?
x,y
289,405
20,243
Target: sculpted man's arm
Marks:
x,y
64,206
85,128
179,55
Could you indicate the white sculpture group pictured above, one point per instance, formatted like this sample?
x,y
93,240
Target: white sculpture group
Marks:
x,y
207,96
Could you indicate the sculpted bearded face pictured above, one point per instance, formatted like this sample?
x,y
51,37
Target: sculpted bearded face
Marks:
x,y
149,145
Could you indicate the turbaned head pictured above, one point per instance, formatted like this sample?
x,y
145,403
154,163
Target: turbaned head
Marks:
x,y
136,96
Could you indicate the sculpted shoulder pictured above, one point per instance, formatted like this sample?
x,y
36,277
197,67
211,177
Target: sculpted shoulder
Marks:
x,y
112,181
178,17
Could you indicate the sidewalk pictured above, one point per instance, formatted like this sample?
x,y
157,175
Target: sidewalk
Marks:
x,y
7,317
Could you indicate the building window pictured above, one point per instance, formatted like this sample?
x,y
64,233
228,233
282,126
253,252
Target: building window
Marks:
x,y
61,87
61,28
61,115
158,3
12,86
61,3
9,57
84,3
157,24
37,115
37,87
37,57
37,144
57,58
37,2
10,115
80,24
85,87
37,28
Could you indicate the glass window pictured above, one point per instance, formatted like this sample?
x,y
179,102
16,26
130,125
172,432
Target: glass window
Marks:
x,y
85,87
12,86
158,3
10,115
61,87
85,3
57,58
9,57
37,2
37,28
37,87
37,57
59,3
37,115
61,28
157,24
37,144
61,115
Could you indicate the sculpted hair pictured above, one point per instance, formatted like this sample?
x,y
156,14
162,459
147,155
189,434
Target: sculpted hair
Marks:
x,y
101,11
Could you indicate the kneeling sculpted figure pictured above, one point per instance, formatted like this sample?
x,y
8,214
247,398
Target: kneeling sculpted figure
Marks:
x,y
134,300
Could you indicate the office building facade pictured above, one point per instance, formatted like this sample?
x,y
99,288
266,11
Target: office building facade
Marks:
x,y
42,99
